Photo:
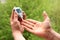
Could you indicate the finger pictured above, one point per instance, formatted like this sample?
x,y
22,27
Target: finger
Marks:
x,y
46,18
28,29
27,22
24,15
32,21
12,15
27,25
19,18
15,16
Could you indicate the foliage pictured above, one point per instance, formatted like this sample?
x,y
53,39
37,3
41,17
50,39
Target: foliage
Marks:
x,y
33,10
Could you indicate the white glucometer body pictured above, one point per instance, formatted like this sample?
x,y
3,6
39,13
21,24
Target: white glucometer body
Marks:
x,y
18,10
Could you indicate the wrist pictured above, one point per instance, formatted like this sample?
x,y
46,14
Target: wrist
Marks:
x,y
49,35
17,32
52,35
18,35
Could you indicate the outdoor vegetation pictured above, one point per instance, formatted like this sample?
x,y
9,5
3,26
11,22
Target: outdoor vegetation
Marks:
x,y
33,10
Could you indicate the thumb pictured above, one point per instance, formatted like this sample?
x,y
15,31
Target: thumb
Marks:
x,y
46,18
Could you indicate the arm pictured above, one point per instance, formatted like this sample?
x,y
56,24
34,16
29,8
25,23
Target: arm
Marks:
x,y
41,29
18,36
52,35
17,29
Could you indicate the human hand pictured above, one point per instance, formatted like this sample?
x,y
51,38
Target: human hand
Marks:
x,y
17,29
38,28
15,24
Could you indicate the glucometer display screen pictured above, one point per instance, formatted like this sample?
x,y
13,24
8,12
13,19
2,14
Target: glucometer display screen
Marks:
x,y
18,10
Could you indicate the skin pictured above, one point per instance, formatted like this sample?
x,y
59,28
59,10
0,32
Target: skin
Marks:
x,y
17,28
36,27
41,29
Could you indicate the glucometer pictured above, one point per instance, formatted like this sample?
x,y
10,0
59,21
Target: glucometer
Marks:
x,y
18,10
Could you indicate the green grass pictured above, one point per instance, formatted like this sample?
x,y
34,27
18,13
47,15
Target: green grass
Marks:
x,y
33,10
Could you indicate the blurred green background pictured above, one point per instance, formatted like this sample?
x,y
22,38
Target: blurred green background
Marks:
x,y
33,10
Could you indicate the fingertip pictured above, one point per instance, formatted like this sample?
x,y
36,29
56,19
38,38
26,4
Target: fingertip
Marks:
x,y
12,15
44,13
46,18
13,11
22,11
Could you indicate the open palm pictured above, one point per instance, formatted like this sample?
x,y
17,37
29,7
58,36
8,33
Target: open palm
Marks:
x,y
38,28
